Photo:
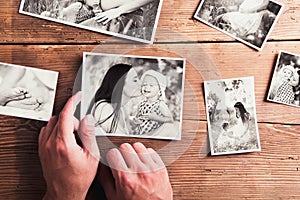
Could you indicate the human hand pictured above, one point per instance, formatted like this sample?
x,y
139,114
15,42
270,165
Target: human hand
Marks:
x,y
137,120
137,173
68,168
107,16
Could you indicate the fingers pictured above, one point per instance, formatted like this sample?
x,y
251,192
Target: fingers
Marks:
x,y
156,158
137,158
143,153
87,136
130,156
66,124
103,18
47,130
116,161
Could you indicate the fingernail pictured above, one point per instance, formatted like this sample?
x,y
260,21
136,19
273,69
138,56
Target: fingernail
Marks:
x,y
90,120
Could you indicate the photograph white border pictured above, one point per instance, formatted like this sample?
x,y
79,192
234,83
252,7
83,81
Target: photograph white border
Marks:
x,y
235,37
83,109
29,114
274,74
251,78
110,33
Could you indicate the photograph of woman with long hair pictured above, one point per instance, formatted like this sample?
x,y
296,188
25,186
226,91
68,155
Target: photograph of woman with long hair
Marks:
x,y
232,124
135,95
115,91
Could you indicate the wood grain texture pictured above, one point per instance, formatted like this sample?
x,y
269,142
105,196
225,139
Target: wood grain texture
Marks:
x,y
176,17
195,175
273,173
218,61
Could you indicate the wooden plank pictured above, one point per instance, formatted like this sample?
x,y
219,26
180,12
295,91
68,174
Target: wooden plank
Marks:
x,y
175,20
194,175
261,175
204,62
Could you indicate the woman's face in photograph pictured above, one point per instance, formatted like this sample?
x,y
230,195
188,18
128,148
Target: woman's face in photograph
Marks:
x,y
132,84
238,113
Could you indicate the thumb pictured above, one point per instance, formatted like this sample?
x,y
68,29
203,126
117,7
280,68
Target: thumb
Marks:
x,y
87,136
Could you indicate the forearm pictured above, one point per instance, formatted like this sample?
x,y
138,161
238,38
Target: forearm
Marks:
x,y
131,6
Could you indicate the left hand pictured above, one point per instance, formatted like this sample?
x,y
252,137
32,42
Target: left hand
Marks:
x,y
68,168
107,16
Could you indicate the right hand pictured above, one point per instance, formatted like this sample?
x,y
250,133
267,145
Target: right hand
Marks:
x,y
137,173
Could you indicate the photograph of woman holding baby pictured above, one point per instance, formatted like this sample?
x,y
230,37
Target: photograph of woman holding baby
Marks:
x,y
134,96
231,110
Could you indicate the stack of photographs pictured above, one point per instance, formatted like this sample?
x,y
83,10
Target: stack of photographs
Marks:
x,y
231,116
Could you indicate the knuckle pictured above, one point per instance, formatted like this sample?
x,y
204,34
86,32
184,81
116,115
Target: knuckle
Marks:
x,y
63,115
128,182
60,148
48,146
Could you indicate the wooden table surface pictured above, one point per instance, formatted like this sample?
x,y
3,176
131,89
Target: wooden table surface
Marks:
x,y
273,173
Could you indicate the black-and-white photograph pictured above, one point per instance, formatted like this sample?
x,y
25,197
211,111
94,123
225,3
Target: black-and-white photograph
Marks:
x,y
27,92
231,116
248,21
135,20
285,87
135,96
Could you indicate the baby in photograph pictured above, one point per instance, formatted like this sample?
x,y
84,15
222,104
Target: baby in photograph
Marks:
x,y
22,88
153,112
288,79
236,131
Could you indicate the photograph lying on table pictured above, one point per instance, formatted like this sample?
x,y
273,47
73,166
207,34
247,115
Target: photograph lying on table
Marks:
x,y
249,21
27,92
135,96
231,114
285,86
135,20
